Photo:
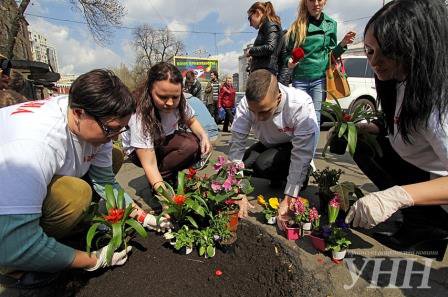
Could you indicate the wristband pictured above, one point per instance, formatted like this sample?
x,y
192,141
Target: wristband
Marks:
x,y
141,217
157,182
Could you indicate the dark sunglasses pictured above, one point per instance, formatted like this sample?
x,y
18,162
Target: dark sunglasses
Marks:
x,y
109,132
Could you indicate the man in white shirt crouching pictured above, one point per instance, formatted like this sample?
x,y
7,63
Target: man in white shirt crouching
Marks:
x,y
284,121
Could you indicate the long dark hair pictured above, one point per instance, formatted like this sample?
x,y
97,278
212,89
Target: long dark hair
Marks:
x,y
415,34
146,110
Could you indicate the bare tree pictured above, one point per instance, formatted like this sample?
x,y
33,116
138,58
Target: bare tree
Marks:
x,y
155,45
100,16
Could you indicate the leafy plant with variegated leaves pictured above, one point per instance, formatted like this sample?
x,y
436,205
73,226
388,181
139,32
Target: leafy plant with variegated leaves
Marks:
x,y
116,225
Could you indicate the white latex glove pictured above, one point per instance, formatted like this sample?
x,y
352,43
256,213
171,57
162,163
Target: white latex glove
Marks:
x,y
118,259
150,222
377,207
244,205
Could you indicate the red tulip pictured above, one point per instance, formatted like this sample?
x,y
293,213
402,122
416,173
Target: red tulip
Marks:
x,y
297,54
179,199
114,215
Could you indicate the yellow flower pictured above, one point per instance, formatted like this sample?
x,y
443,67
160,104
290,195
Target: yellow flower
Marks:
x,y
260,200
273,202
304,201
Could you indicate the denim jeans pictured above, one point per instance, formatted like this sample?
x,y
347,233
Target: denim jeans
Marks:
x,y
314,88
317,90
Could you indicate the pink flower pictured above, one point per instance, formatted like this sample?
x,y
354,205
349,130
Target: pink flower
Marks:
x,y
227,185
314,215
239,165
216,186
299,207
335,202
220,163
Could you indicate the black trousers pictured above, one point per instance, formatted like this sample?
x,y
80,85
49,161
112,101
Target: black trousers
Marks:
x,y
390,170
228,119
271,163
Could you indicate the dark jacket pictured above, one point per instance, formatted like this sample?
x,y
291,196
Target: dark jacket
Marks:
x,y
284,73
195,89
226,97
264,53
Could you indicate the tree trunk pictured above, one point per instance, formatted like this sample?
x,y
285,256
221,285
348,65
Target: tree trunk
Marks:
x,y
16,28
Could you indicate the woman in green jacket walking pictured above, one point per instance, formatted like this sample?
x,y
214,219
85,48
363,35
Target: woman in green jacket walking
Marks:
x,y
315,33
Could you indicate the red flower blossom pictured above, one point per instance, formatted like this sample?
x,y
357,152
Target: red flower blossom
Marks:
x,y
191,173
114,215
297,54
218,272
179,199
346,117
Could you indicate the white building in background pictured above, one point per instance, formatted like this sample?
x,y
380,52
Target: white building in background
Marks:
x,y
243,73
42,51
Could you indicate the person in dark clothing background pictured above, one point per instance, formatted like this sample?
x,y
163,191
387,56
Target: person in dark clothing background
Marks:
x,y
192,85
264,53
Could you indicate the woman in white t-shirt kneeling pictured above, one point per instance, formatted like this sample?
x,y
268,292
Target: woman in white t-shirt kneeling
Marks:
x,y
157,139
411,70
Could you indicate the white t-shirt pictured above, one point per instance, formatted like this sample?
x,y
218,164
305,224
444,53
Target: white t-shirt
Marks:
x,y
35,145
429,147
295,116
135,138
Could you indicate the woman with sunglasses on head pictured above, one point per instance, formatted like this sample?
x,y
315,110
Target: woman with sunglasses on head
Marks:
x,y
157,139
264,52
405,43
314,32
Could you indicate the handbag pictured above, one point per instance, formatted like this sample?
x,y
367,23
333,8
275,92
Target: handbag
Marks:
x,y
337,84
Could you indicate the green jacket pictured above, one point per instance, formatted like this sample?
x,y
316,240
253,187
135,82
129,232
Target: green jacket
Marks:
x,y
318,43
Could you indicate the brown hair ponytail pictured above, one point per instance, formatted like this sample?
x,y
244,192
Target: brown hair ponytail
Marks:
x,y
267,9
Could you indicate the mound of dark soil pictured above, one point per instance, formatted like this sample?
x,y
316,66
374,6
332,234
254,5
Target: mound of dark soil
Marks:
x,y
256,266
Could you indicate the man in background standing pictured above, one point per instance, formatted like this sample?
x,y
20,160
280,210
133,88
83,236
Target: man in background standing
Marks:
x,y
211,94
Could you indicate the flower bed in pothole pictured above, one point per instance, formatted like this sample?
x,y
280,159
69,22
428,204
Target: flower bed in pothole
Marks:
x,y
258,265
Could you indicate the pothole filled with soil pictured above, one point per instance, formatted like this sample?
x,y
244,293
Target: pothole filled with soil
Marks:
x,y
257,265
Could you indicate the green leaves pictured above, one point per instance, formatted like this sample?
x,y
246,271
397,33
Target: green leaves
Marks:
x,y
352,138
110,197
90,234
137,227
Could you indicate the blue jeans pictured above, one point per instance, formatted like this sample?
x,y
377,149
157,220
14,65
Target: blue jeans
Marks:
x,y
314,88
317,90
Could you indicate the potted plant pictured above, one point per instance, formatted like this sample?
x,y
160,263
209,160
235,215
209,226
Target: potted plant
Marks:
x,y
205,242
184,239
326,179
347,193
119,225
180,206
345,131
222,235
338,243
270,208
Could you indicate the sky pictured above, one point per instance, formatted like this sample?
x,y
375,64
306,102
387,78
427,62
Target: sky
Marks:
x,y
78,53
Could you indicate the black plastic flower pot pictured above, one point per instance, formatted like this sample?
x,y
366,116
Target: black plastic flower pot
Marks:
x,y
338,145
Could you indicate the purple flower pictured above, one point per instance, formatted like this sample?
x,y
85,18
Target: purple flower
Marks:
x,y
326,232
341,223
220,163
216,186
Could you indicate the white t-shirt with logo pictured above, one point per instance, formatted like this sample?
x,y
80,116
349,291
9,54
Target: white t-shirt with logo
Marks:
x,y
428,149
135,138
35,145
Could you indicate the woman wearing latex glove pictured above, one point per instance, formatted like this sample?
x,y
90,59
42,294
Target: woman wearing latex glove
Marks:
x,y
413,137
